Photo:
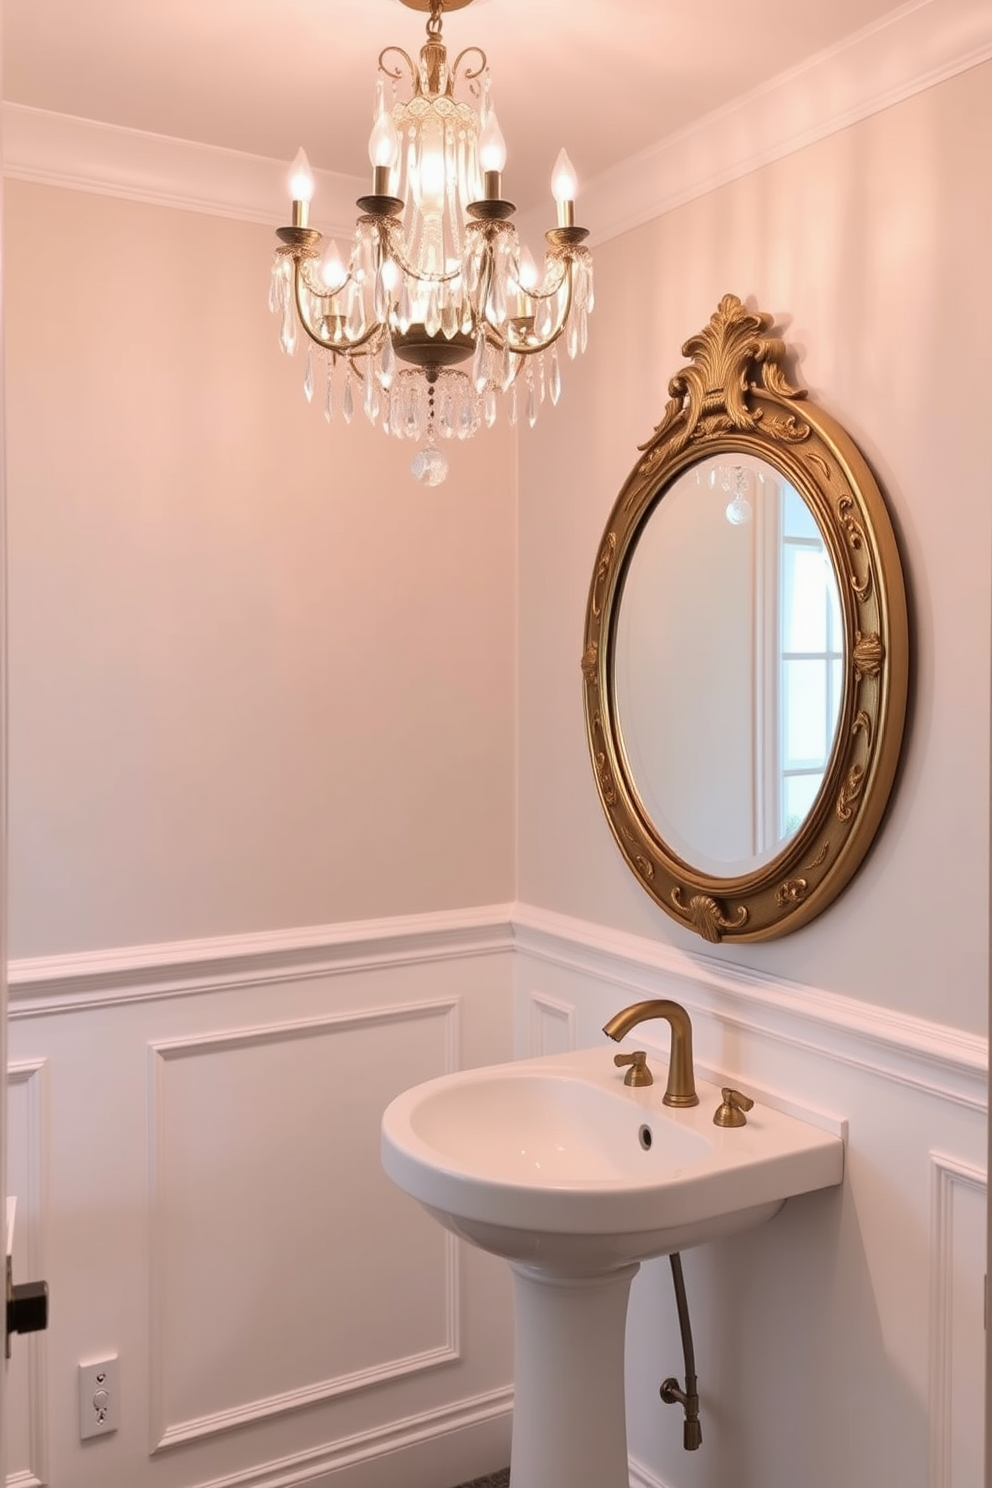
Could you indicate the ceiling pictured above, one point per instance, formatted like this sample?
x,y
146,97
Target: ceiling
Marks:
x,y
606,78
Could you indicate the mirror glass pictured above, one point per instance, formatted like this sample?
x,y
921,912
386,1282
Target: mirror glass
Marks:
x,y
728,663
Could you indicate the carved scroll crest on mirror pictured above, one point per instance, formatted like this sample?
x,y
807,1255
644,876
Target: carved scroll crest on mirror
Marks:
x,y
745,663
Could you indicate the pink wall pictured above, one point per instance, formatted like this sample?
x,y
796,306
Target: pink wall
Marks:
x,y
869,248
258,678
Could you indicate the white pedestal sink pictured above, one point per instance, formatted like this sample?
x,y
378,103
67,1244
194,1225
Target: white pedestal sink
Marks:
x,y
575,1178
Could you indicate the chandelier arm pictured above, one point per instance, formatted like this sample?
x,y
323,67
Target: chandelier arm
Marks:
x,y
531,348
470,73
396,72
346,348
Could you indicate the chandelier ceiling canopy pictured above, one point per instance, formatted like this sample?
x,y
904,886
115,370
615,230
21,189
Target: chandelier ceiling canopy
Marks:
x,y
437,313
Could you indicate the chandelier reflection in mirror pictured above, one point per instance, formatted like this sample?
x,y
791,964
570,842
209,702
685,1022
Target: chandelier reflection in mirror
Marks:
x,y
438,314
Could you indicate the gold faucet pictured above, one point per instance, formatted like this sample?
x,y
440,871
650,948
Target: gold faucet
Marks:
x,y
681,1089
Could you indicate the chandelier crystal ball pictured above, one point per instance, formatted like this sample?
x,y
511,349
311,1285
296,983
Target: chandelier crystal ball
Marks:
x,y
437,315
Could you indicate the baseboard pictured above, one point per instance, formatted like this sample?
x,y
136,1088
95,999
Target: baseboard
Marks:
x,y
474,1432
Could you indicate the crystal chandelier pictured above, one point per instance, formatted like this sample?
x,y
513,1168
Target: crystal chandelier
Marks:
x,y
438,314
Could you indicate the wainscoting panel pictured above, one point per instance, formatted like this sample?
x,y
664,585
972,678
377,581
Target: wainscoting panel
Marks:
x,y
26,1446
196,1131
283,1224
958,1347
552,1026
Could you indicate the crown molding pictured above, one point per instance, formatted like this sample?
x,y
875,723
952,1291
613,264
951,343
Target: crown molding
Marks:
x,y
915,47
83,155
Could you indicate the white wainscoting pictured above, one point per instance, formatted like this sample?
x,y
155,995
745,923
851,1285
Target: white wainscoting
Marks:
x,y
194,1134
843,1343
194,1138
304,1098
27,1445
957,1360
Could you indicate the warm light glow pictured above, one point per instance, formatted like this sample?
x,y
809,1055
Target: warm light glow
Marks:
x,y
301,179
431,175
563,180
527,272
492,145
384,145
332,270
435,315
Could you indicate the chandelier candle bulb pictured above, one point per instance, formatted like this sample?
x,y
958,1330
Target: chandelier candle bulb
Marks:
x,y
492,157
563,187
332,270
301,189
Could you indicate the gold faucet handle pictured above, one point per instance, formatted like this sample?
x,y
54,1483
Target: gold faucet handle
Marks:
x,y
731,1112
638,1074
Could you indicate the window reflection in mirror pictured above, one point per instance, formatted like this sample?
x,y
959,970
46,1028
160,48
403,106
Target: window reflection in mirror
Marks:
x,y
810,661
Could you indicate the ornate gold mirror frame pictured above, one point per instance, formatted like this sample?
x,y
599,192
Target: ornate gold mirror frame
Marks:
x,y
735,398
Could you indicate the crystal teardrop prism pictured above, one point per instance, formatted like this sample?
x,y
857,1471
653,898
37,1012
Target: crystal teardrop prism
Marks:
x,y
276,281
404,311
287,337
479,362
432,319
387,362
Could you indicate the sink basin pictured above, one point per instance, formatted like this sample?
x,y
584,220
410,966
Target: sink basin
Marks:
x,y
575,1178
555,1161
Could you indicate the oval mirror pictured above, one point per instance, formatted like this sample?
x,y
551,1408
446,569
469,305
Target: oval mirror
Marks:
x,y
746,652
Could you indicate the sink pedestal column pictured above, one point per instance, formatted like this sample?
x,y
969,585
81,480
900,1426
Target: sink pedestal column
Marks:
x,y
569,1419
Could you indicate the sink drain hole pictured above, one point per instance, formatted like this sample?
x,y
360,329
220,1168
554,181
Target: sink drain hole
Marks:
x,y
645,1138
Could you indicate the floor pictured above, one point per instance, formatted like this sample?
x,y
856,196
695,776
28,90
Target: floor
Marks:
x,y
494,1480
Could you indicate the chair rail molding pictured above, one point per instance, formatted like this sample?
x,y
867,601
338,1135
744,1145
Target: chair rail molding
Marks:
x,y
56,984
943,1061
930,1056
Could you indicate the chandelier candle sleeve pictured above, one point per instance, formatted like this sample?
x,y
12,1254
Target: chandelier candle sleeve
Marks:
x,y
438,314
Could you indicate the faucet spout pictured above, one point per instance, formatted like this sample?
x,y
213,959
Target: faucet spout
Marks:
x,y
681,1089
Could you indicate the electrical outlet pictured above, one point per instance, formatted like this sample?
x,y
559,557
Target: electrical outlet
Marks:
x,y
99,1398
